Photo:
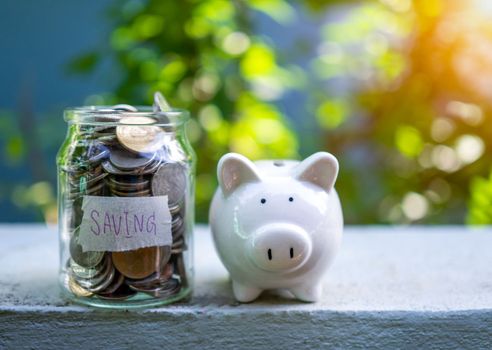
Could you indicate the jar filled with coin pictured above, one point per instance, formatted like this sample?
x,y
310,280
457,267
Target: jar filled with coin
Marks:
x,y
125,204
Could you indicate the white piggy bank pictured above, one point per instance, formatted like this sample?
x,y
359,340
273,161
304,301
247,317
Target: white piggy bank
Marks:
x,y
277,224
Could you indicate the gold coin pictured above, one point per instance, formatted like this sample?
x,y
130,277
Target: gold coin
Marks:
x,y
136,136
138,263
76,289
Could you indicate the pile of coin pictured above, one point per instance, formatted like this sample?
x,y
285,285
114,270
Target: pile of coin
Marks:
x,y
129,158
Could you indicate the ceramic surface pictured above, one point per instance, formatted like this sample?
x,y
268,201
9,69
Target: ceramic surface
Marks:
x,y
277,224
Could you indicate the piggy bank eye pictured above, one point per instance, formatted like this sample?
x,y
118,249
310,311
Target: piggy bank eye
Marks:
x,y
263,200
291,199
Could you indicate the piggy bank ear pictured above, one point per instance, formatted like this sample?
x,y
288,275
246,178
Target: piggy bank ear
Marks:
x,y
320,169
234,170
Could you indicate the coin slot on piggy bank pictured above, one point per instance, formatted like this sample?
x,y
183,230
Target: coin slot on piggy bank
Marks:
x,y
277,224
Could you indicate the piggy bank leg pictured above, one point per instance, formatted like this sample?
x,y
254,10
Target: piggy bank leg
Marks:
x,y
308,292
245,294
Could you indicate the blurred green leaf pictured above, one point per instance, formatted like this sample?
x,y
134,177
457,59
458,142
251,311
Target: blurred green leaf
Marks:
x,y
84,63
15,149
280,10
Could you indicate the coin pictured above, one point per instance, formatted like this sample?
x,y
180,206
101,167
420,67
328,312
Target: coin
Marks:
x,y
127,161
178,243
128,186
179,232
174,209
145,193
163,275
94,151
108,140
177,222
161,289
99,282
83,182
129,181
80,272
140,263
105,282
125,107
181,270
136,136
96,191
117,281
122,293
103,129
160,103
111,169
76,289
170,180
105,272
84,259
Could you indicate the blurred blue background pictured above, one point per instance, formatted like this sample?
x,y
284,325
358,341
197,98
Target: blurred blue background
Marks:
x,y
398,90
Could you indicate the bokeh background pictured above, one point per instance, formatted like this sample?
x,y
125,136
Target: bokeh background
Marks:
x,y
399,90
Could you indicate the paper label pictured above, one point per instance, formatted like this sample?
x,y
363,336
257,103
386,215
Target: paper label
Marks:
x,y
122,223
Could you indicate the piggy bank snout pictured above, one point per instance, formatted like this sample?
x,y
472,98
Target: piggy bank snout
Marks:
x,y
280,247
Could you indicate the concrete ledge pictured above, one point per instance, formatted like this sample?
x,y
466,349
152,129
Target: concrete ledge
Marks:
x,y
390,287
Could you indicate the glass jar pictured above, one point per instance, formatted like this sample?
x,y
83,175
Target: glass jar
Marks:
x,y
126,207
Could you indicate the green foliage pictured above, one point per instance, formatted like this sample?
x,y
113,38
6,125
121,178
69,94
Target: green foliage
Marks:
x,y
203,57
411,129
480,205
23,154
398,90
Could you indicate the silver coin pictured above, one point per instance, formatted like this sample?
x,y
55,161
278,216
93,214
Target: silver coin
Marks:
x,y
174,209
80,272
74,170
125,160
177,222
101,281
152,167
103,129
105,283
84,259
84,182
95,151
181,270
129,181
111,169
170,179
97,279
179,230
178,247
117,281
95,191
161,289
128,185
128,188
160,103
124,107
107,139
137,134
88,188
145,193
94,283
